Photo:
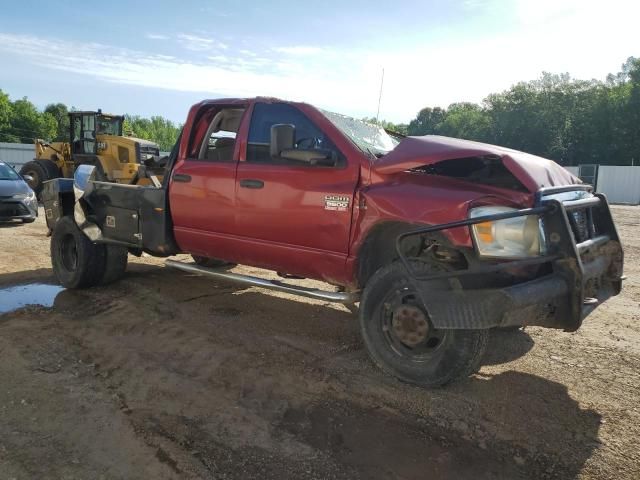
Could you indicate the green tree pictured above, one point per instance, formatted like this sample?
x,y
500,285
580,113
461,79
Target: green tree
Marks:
x,y
28,123
61,114
466,120
6,114
427,121
157,129
632,112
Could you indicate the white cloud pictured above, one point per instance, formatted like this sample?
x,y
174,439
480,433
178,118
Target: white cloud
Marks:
x,y
199,43
220,74
298,50
580,37
156,36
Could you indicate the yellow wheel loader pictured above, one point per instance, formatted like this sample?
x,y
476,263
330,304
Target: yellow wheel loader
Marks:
x,y
95,139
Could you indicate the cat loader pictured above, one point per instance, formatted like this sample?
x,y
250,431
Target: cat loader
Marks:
x,y
95,139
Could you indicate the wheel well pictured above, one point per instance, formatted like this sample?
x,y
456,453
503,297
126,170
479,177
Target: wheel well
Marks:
x,y
379,249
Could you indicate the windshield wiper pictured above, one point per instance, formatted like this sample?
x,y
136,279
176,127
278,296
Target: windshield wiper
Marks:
x,y
372,155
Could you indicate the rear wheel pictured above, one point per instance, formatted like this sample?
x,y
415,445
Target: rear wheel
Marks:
x,y
40,171
77,262
401,338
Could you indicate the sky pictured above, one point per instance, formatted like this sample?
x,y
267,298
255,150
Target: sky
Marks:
x,y
160,57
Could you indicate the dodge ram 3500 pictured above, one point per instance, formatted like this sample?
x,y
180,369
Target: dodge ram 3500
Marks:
x,y
437,239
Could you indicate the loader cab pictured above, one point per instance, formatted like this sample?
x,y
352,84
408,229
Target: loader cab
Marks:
x,y
86,126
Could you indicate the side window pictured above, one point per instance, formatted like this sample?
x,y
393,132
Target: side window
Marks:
x,y
219,140
310,145
89,133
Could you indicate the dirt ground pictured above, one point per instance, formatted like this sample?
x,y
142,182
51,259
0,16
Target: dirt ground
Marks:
x,y
168,375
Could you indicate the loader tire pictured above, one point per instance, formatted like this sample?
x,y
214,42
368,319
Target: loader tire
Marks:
x,y
77,262
41,171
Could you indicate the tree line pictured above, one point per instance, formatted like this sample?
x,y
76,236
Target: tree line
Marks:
x,y
568,120
22,122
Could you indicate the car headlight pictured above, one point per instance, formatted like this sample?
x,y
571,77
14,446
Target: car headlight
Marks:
x,y
516,237
25,196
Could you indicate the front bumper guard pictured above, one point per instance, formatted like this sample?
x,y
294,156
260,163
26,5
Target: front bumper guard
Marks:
x,y
581,275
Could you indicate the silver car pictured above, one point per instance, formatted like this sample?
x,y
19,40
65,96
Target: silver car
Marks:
x,y
17,200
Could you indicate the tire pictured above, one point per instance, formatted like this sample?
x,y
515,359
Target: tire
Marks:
x,y
41,171
77,262
211,262
421,354
115,263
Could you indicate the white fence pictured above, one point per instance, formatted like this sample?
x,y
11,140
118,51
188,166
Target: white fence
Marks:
x,y
16,154
620,184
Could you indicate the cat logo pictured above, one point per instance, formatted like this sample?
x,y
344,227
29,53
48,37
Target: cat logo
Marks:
x,y
337,203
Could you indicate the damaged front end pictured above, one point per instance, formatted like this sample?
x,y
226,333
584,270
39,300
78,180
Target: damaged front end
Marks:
x,y
578,269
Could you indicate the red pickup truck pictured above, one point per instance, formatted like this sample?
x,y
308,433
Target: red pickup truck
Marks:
x,y
437,239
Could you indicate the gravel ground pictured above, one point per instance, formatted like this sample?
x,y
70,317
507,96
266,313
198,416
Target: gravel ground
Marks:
x,y
169,375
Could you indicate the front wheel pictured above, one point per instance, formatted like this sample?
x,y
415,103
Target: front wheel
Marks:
x,y
401,338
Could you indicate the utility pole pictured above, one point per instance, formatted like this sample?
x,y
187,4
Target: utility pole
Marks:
x,y
380,98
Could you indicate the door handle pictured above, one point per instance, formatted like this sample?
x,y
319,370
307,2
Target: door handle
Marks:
x,y
181,177
251,183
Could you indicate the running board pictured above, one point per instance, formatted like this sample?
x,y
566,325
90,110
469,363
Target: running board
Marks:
x,y
338,297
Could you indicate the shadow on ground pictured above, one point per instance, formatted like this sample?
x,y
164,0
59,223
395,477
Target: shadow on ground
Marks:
x,y
506,346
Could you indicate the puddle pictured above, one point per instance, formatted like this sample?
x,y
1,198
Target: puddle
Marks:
x,y
18,296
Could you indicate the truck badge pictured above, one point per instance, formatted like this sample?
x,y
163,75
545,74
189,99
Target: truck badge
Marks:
x,y
337,203
110,221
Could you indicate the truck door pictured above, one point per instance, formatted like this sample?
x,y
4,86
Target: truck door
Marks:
x,y
202,192
292,213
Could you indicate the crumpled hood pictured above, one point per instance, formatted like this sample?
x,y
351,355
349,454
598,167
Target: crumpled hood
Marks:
x,y
532,171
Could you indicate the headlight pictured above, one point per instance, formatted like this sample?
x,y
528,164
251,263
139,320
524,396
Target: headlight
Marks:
x,y
516,237
25,196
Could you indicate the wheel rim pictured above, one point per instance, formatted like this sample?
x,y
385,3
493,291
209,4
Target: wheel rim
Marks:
x,y
69,253
407,328
35,179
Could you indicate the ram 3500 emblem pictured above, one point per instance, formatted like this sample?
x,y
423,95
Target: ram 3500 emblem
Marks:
x,y
338,203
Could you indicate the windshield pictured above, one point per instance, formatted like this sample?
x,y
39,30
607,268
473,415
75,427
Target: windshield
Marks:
x,y
370,138
109,126
8,173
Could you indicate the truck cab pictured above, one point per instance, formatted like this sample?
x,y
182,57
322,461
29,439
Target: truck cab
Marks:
x,y
437,240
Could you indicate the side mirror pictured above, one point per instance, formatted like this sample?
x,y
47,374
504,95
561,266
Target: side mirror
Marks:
x,y
282,138
27,178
